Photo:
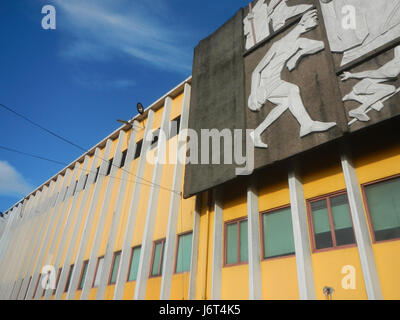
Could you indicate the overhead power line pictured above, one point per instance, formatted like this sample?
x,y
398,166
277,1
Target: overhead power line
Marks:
x,y
76,145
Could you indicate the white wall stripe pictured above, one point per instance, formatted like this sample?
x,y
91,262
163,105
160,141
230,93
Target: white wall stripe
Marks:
x,y
361,231
255,281
175,202
195,249
147,240
217,246
305,275
133,208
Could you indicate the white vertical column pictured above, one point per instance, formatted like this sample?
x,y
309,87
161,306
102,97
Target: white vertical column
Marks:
x,y
255,283
133,208
70,215
175,202
108,257
102,218
361,231
305,275
217,246
88,223
195,249
75,236
147,241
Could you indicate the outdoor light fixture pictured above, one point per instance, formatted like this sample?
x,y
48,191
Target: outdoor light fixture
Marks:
x,y
1,214
140,108
125,122
328,292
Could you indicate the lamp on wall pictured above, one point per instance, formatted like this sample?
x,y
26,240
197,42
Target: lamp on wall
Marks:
x,y
140,108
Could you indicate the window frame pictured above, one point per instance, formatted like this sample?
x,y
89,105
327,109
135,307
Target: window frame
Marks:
x,y
272,211
162,241
69,278
95,272
86,262
177,247
369,217
226,223
311,229
130,262
112,267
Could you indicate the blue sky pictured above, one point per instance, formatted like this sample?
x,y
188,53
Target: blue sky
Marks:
x,y
103,57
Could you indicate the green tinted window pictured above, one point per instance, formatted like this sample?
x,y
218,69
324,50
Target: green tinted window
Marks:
x,y
157,259
134,264
342,220
115,266
384,206
83,276
231,244
184,253
278,233
243,241
322,228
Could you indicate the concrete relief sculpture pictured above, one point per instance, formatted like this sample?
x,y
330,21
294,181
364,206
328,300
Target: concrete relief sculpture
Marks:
x,y
356,27
372,91
267,84
257,22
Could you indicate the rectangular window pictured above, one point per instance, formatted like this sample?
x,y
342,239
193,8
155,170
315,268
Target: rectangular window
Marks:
x,y
97,175
138,149
86,179
158,255
277,233
83,274
123,159
331,222
97,273
110,164
236,248
115,267
71,269
134,264
58,278
174,127
75,185
383,206
184,253
154,142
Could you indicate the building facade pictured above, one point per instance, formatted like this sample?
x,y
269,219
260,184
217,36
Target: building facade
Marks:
x,y
122,223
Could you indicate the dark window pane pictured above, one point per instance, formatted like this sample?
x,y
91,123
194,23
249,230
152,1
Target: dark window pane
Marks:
x,y
184,253
123,159
86,179
110,164
154,142
342,220
115,266
232,243
322,228
83,276
97,174
174,127
134,264
384,206
138,149
278,233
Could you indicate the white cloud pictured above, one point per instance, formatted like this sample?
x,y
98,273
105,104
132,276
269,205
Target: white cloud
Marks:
x,y
102,30
12,182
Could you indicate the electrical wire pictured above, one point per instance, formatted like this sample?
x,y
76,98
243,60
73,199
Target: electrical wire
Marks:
x,y
78,146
